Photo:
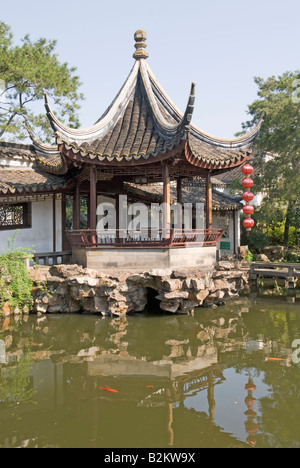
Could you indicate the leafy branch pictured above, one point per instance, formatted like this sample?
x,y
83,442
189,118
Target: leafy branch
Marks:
x,y
27,71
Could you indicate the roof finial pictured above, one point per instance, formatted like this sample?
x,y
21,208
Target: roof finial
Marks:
x,y
140,37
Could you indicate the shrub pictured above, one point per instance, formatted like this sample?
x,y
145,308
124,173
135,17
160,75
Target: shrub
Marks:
x,y
250,257
292,257
256,240
15,283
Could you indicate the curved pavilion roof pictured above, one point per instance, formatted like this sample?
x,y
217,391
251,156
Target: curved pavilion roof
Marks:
x,y
142,126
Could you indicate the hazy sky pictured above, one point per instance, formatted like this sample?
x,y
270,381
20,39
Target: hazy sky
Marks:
x,y
219,44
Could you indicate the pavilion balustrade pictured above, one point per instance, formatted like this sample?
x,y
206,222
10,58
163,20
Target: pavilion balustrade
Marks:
x,y
144,238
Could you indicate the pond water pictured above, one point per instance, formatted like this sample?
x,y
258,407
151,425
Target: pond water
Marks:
x,y
224,377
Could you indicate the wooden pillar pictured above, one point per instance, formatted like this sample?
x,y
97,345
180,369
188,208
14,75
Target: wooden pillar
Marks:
x,y
76,206
170,425
211,397
54,221
118,213
235,248
63,222
93,202
170,417
179,190
117,217
167,202
208,202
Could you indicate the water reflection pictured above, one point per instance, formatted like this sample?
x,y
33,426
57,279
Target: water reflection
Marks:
x,y
152,381
250,425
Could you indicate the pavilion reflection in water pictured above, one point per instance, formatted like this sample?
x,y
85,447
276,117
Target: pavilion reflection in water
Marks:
x,y
70,379
160,383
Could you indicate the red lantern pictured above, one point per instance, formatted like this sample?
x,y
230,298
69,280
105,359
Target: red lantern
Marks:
x,y
248,196
248,223
251,413
247,169
247,183
250,386
251,427
248,209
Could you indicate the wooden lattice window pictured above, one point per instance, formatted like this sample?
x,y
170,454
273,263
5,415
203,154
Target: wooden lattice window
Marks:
x,y
15,216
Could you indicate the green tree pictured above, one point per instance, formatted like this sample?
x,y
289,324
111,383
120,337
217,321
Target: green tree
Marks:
x,y
278,148
27,71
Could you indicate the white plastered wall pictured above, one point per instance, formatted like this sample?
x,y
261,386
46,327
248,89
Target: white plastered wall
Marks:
x,y
231,230
40,236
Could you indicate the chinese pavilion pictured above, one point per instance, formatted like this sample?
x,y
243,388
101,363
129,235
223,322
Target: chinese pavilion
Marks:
x,y
141,139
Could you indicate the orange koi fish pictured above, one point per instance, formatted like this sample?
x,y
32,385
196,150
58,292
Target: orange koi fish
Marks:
x,y
275,359
107,389
149,386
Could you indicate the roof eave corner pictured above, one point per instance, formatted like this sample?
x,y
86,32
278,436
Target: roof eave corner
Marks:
x,y
46,155
188,115
51,117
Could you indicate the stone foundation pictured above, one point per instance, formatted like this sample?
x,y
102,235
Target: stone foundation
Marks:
x,y
145,258
74,289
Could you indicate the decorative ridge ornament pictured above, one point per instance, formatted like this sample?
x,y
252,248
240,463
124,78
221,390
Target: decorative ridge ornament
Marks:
x,y
248,209
140,37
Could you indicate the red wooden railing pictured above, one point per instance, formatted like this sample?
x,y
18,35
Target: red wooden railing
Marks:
x,y
143,239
